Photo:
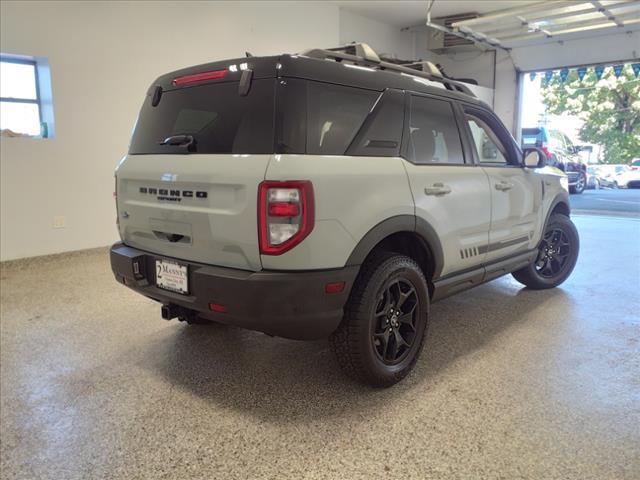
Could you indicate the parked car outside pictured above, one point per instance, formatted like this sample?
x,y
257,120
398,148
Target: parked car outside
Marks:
x,y
628,179
561,153
596,179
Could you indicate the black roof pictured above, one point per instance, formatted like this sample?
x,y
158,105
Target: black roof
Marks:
x,y
330,71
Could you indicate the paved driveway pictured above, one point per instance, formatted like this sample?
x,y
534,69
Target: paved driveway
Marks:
x,y
617,202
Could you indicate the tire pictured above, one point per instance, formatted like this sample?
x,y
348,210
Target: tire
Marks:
x,y
557,255
579,187
388,305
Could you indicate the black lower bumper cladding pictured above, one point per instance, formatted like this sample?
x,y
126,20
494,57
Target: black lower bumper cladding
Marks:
x,y
286,304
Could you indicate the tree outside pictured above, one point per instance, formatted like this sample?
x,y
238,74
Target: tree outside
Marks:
x,y
609,108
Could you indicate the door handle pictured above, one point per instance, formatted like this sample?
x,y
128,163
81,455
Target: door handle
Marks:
x,y
504,186
437,189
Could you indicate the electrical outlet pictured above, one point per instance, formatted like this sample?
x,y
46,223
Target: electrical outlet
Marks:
x,y
58,222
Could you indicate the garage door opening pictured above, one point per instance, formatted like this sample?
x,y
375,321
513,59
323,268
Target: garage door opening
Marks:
x,y
587,120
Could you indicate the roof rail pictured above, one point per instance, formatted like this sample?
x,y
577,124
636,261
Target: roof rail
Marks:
x,y
363,55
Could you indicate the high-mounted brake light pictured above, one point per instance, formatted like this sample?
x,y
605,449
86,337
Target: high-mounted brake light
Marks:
x,y
286,215
200,77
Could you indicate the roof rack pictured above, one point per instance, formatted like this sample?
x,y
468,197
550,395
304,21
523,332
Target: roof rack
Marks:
x,y
363,55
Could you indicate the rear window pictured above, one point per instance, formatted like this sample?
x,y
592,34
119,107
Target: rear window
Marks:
x,y
215,115
320,118
311,118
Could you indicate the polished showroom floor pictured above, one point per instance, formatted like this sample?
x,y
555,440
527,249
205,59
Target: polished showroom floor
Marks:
x,y
512,383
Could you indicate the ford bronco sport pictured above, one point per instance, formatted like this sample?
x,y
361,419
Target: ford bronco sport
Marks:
x,y
330,194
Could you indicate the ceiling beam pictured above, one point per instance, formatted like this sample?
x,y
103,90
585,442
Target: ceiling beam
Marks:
x,y
512,12
508,28
607,13
628,19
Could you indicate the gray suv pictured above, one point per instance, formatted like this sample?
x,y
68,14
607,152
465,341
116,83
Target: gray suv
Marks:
x,y
330,194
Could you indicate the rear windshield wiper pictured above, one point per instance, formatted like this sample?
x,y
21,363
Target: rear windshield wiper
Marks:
x,y
185,141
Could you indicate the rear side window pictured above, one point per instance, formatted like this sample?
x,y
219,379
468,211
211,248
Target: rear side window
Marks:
x,y
320,118
218,119
334,116
433,132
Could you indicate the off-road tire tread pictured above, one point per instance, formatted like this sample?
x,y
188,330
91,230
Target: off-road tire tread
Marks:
x,y
344,341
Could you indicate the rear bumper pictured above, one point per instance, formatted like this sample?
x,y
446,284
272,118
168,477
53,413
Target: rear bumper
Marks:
x,y
286,304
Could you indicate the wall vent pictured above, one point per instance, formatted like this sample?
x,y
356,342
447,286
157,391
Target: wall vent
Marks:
x,y
450,40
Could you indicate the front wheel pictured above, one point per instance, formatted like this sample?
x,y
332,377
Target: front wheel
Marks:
x,y
383,329
580,184
557,255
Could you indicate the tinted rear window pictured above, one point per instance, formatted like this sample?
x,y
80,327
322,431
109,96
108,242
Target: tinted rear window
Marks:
x,y
320,118
220,120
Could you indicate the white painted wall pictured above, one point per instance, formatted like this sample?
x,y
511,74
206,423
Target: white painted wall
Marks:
x,y
383,38
103,56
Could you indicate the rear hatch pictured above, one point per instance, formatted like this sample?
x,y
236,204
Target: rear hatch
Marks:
x,y
188,187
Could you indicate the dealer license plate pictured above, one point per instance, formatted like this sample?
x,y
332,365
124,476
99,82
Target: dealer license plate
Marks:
x,y
172,276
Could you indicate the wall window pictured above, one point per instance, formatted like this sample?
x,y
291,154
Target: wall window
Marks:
x,y
22,109
434,136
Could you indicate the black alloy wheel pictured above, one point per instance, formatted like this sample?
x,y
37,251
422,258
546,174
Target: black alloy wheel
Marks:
x,y
395,321
553,253
557,255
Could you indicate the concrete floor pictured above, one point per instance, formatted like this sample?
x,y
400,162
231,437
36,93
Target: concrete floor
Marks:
x,y
512,384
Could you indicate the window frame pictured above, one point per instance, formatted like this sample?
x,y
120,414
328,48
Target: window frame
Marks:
x,y
467,159
514,154
38,100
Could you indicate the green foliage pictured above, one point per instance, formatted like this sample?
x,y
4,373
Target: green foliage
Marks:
x,y
609,107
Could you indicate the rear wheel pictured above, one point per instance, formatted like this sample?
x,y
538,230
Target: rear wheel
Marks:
x,y
382,332
557,255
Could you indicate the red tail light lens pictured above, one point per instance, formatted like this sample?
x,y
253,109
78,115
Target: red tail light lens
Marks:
x,y
286,215
200,77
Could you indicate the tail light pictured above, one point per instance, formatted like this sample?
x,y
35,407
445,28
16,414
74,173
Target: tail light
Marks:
x,y
546,151
286,215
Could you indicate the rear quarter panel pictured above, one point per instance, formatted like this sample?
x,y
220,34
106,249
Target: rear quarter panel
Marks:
x,y
352,195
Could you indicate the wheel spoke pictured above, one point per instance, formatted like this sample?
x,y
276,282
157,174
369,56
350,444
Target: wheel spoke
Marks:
x,y
386,298
547,267
399,341
383,338
404,296
407,319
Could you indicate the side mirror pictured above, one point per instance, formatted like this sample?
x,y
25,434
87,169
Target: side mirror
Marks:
x,y
534,158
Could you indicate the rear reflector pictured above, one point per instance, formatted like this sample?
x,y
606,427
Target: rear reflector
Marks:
x,y
217,307
335,287
200,77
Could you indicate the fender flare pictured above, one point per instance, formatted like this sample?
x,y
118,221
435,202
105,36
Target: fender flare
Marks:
x,y
560,198
397,224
